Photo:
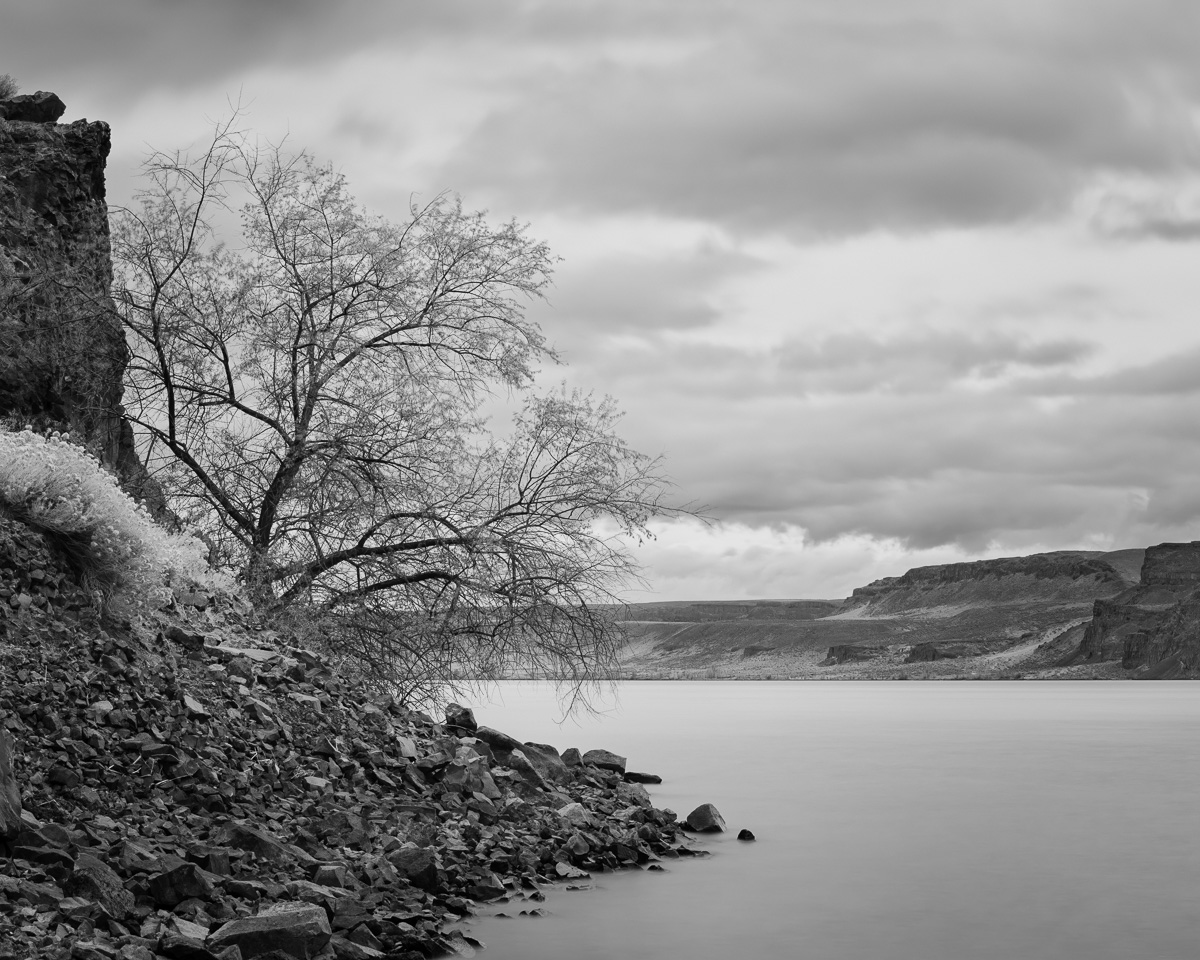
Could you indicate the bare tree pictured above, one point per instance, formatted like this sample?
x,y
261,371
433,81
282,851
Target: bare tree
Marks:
x,y
8,86
310,399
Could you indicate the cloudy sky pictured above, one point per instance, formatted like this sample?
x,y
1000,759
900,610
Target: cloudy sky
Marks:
x,y
888,283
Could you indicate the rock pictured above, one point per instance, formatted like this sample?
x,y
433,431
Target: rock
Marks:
x,y
246,836
187,639
521,764
500,742
575,813
177,946
745,835
605,760
546,761
465,776
418,866
40,107
577,846
298,929
330,875
171,888
486,886
705,819
572,758
10,793
632,777
345,949
461,720
212,859
96,880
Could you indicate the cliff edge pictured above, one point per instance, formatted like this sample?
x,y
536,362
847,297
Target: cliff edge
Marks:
x,y
62,348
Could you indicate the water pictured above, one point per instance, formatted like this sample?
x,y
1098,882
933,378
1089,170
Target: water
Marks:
x,y
907,821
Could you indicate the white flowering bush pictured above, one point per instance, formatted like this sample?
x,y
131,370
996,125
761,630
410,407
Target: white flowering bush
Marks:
x,y
58,487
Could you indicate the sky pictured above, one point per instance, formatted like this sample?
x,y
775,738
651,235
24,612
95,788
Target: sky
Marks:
x,y
887,284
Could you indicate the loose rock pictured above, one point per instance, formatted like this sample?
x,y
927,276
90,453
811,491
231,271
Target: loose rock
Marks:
x,y
705,819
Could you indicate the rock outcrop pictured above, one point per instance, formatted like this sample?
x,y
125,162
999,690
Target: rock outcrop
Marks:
x,y
1141,625
1064,577
62,349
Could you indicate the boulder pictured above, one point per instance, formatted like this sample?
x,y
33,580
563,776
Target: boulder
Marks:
x,y
575,813
40,107
10,793
572,758
461,720
705,819
745,835
546,761
246,836
172,887
417,865
605,760
465,776
522,765
94,879
499,742
299,930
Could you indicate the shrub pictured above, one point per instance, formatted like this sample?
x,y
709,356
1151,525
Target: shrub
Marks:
x,y
58,488
8,86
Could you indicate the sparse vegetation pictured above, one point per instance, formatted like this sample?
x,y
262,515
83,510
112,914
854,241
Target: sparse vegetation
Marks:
x,y
8,86
57,488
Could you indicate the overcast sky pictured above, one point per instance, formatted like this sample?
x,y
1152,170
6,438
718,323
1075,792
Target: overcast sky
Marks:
x,y
887,283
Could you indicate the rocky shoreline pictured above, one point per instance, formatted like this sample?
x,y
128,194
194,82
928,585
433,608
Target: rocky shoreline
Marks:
x,y
210,790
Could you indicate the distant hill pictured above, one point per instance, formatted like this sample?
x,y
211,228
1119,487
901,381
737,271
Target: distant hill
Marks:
x,y
1000,617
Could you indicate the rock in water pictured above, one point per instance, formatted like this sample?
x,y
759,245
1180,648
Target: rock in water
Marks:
x,y
10,794
706,819
745,835
298,929
605,760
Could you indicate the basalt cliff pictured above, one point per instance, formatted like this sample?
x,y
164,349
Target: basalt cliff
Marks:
x,y
1116,615
1153,629
62,349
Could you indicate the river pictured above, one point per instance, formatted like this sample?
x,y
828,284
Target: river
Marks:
x,y
906,821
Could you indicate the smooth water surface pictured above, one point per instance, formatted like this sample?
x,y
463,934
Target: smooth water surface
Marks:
x,y
906,821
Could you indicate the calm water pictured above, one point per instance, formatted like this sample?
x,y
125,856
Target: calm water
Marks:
x,y
906,821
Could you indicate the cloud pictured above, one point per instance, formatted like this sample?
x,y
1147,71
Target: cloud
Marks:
x,y
803,118
1143,208
642,295
951,461
1175,375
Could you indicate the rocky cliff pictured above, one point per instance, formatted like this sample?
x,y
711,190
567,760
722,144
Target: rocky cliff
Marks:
x,y
1146,624
1068,577
62,349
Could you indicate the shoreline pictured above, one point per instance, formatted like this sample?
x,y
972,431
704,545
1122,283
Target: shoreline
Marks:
x,y
200,792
